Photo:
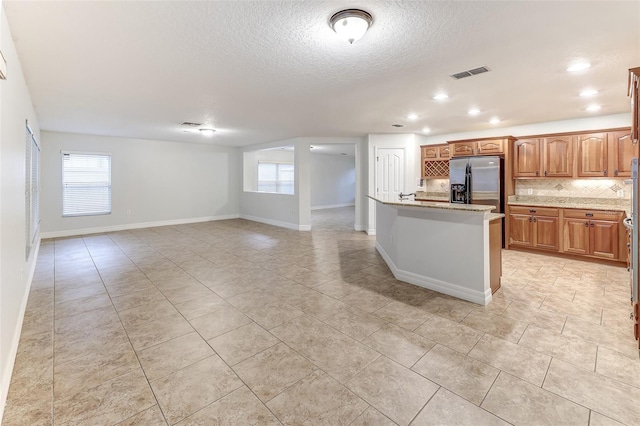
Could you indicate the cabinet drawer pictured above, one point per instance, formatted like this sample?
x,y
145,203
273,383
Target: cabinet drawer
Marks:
x,y
533,210
613,216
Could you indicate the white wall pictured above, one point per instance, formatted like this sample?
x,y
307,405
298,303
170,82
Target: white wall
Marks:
x,y
580,124
333,181
153,183
15,272
290,211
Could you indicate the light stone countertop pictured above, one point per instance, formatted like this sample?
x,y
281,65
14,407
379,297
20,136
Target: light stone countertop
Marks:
x,y
494,216
395,201
572,203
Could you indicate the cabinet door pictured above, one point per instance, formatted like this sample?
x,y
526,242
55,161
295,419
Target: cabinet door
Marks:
x,y
443,151
592,155
575,236
491,147
546,232
621,151
429,152
520,230
557,156
526,158
604,238
463,148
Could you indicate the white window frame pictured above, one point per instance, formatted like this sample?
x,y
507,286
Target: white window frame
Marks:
x,y
277,182
101,184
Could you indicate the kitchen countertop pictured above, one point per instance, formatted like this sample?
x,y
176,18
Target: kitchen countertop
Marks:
x,y
571,203
395,201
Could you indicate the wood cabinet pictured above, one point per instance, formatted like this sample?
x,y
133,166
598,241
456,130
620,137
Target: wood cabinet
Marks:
x,y
435,161
592,233
491,146
534,227
495,254
634,92
546,157
622,149
592,155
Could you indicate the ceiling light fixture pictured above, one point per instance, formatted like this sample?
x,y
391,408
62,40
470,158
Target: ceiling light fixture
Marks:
x,y
426,130
578,66
351,24
586,93
207,132
494,120
440,96
412,117
593,107
474,111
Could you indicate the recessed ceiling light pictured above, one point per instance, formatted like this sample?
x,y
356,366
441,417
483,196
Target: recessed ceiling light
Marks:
x,y
494,120
588,93
426,130
440,96
578,66
207,132
412,117
474,111
593,107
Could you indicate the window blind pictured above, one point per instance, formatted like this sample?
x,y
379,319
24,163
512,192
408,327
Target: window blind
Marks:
x,y
275,177
86,183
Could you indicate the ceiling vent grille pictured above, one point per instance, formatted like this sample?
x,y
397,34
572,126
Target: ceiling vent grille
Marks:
x,y
190,124
469,73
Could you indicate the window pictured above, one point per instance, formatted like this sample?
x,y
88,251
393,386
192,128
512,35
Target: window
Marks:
x,y
275,177
32,189
86,184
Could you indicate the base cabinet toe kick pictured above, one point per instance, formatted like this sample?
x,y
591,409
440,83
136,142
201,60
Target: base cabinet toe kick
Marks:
x,y
449,248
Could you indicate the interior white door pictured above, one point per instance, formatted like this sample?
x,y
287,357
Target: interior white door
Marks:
x,y
389,171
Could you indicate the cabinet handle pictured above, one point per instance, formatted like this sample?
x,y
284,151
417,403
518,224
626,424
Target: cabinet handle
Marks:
x,y
535,220
592,225
532,211
545,172
537,173
588,214
615,172
472,150
586,224
605,172
530,218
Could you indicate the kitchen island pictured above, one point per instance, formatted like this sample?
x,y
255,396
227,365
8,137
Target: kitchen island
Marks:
x,y
449,248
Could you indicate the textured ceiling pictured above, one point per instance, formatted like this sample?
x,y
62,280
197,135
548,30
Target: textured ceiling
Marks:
x,y
261,71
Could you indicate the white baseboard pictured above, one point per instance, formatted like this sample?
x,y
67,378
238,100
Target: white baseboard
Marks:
x,y
8,367
129,226
371,231
358,227
266,221
455,290
333,206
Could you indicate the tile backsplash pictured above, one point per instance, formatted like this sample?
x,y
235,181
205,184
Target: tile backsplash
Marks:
x,y
574,188
436,185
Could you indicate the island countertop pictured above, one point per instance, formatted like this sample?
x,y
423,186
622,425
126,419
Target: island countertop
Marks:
x,y
395,201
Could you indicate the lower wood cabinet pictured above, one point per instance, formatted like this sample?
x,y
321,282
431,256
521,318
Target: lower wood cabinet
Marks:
x,y
534,227
591,233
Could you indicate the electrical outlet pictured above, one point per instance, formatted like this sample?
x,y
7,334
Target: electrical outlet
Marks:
x,y
128,211
529,191
620,193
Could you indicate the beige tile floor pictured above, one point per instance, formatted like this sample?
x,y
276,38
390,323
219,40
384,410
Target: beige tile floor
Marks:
x,y
239,323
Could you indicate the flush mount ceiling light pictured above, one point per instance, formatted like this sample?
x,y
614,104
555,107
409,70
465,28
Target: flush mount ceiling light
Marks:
x,y
593,108
474,111
426,130
412,117
578,66
207,132
440,96
494,120
351,24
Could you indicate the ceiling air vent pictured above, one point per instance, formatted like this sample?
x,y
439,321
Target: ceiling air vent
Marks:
x,y
469,73
190,124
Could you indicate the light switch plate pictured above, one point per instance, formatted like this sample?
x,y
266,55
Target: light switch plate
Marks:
x,y
529,191
620,193
3,67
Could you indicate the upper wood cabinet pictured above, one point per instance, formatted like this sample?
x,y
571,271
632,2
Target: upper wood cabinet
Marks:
x,y
493,146
551,157
621,150
592,155
435,161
